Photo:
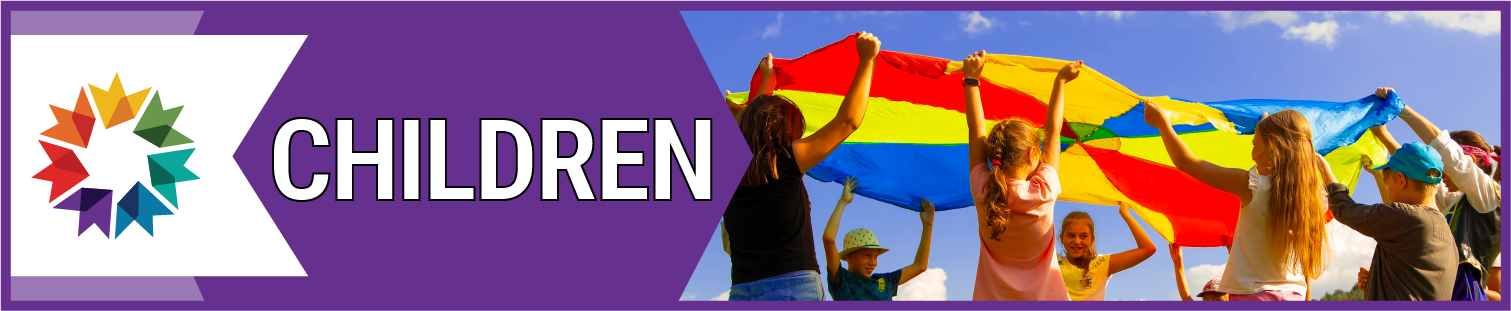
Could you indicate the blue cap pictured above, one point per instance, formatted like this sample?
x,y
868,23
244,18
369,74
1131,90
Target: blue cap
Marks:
x,y
1414,160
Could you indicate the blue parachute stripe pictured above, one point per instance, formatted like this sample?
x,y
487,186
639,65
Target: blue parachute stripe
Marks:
x,y
902,174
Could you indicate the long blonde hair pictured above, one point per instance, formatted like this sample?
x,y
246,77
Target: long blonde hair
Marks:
x,y
1012,143
1297,221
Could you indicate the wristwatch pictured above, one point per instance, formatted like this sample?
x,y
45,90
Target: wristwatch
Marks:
x,y
970,81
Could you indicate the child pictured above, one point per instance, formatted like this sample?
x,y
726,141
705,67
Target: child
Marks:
x,y
1014,179
1208,292
1280,243
770,233
859,282
1415,256
1086,272
1470,199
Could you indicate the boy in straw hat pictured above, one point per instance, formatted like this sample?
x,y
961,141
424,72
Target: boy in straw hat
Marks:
x,y
859,282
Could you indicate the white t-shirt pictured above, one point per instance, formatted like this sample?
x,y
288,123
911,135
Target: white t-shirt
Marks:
x,y
1252,267
1086,286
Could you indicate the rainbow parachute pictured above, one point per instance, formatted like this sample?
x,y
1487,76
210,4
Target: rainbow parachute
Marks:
x,y
912,144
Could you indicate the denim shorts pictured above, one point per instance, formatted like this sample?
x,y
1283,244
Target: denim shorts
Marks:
x,y
805,285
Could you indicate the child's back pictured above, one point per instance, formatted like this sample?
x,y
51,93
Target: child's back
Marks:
x,y
1019,264
1252,267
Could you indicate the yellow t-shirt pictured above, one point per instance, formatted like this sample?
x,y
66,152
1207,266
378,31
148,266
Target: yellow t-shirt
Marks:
x,y
1086,286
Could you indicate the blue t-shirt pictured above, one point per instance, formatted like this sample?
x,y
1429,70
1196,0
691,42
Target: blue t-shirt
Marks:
x,y
846,285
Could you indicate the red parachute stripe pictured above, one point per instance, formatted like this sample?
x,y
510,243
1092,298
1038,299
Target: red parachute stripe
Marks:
x,y
1200,216
899,77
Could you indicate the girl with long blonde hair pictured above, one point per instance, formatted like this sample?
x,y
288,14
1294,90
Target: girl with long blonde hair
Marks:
x,y
1280,244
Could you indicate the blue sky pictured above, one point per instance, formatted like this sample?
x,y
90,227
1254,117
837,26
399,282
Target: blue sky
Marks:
x,y
1445,65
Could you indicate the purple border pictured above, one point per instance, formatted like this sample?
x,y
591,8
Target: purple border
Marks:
x,y
41,288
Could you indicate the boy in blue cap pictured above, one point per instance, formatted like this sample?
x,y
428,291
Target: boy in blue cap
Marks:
x,y
1414,255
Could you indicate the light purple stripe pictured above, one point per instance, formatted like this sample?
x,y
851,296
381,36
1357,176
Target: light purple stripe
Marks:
x,y
104,22
104,288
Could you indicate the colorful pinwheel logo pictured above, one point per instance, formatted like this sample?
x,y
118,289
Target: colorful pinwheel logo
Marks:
x,y
155,126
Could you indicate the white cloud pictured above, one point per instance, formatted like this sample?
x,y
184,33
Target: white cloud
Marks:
x,y
774,29
1198,276
1114,15
1230,21
688,296
1350,251
1325,33
1481,23
928,285
843,16
974,23
721,297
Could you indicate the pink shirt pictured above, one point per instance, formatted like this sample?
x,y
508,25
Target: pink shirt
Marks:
x,y
1021,266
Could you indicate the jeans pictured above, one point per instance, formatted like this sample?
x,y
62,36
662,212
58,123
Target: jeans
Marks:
x,y
805,285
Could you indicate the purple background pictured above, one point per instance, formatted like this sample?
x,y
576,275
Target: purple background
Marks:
x,y
524,61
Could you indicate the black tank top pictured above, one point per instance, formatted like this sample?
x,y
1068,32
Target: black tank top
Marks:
x,y
770,230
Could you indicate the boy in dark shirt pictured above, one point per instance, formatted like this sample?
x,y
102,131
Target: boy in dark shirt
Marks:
x,y
1414,256
859,282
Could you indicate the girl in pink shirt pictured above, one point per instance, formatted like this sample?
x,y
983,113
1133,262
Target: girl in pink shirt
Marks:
x,y
1015,179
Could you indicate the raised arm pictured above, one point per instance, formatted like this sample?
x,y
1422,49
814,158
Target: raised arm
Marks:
x,y
1056,116
767,86
1230,180
921,259
831,253
1180,273
1386,139
811,150
1129,258
975,118
1482,189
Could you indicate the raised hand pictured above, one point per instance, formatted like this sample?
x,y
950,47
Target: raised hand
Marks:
x,y
1070,71
927,215
867,45
1175,253
849,194
1383,92
1369,165
974,64
1154,115
766,68
1363,277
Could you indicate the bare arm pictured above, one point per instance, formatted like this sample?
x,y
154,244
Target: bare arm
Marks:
x,y
1128,259
1230,180
1386,139
767,87
921,259
1180,273
811,150
724,237
1056,115
975,118
831,253
1419,125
